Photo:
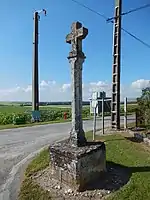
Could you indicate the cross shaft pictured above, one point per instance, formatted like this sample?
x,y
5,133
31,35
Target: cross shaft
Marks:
x,y
76,59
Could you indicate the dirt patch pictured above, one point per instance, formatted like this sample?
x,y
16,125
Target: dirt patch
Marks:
x,y
115,177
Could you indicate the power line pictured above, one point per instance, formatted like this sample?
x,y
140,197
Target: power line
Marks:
x,y
138,39
90,9
136,9
131,11
106,18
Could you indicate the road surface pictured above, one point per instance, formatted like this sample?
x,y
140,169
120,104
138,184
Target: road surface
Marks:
x,y
19,146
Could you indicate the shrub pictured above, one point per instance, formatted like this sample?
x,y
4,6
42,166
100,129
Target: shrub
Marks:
x,y
46,115
20,119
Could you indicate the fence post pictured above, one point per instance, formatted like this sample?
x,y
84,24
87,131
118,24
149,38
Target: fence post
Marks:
x,y
103,113
94,124
125,113
136,118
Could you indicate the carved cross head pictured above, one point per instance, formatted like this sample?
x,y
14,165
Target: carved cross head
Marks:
x,y
78,33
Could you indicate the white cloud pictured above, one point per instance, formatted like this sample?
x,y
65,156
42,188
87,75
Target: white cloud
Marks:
x,y
53,91
140,84
100,86
28,89
65,87
44,84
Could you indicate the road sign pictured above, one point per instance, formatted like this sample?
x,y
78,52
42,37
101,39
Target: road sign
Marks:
x,y
35,115
94,103
94,95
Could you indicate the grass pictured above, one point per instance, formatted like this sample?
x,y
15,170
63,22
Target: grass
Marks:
x,y
29,189
11,126
134,157
120,150
39,163
21,109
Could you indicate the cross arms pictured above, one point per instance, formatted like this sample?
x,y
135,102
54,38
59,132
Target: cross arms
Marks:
x,y
78,32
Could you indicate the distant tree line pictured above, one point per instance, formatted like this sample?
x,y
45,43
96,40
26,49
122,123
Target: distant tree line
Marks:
x,y
54,103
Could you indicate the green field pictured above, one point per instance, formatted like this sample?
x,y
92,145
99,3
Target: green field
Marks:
x,y
21,115
16,114
21,109
16,108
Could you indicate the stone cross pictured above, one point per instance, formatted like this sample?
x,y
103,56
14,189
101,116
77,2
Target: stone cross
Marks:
x,y
76,59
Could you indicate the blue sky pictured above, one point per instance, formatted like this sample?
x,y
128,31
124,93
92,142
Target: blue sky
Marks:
x,y
16,21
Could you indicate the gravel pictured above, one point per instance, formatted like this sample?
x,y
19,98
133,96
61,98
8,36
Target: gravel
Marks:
x,y
112,181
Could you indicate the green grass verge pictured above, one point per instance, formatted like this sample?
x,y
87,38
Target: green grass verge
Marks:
x,y
134,156
29,189
120,150
40,162
11,126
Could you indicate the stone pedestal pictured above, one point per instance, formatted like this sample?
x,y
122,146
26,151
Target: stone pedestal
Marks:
x,y
77,167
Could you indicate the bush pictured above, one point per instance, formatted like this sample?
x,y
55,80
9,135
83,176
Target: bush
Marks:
x,y
6,119
143,110
20,119
46,115
131,108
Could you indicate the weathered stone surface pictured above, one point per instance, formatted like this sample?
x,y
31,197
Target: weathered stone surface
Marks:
x,y
76,59
77,166
78,33
76,162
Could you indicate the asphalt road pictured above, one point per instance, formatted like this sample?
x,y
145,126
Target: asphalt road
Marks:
x,y
19,146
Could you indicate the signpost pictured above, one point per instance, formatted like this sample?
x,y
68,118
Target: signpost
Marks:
x,y
98,97
125,113
94,105
103,97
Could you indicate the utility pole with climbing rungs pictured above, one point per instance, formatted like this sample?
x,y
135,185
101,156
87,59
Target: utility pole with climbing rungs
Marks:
x,y
115,105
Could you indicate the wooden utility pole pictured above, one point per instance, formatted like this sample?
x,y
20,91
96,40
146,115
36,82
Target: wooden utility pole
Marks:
x,y
35,84
115,106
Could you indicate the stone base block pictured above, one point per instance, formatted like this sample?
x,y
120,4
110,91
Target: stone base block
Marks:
x,y
77,167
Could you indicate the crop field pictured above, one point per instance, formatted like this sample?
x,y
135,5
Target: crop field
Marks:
x,y
17,114
21,109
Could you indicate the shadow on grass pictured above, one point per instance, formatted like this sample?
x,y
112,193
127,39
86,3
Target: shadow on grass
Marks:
x,y
113,140
133,139
116,176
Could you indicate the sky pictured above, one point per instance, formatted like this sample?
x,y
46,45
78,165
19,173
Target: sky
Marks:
x,y
16,35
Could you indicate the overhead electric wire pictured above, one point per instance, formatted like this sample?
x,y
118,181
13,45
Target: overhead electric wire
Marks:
x,y
138,39
90,9
136,9
131,11
111,20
